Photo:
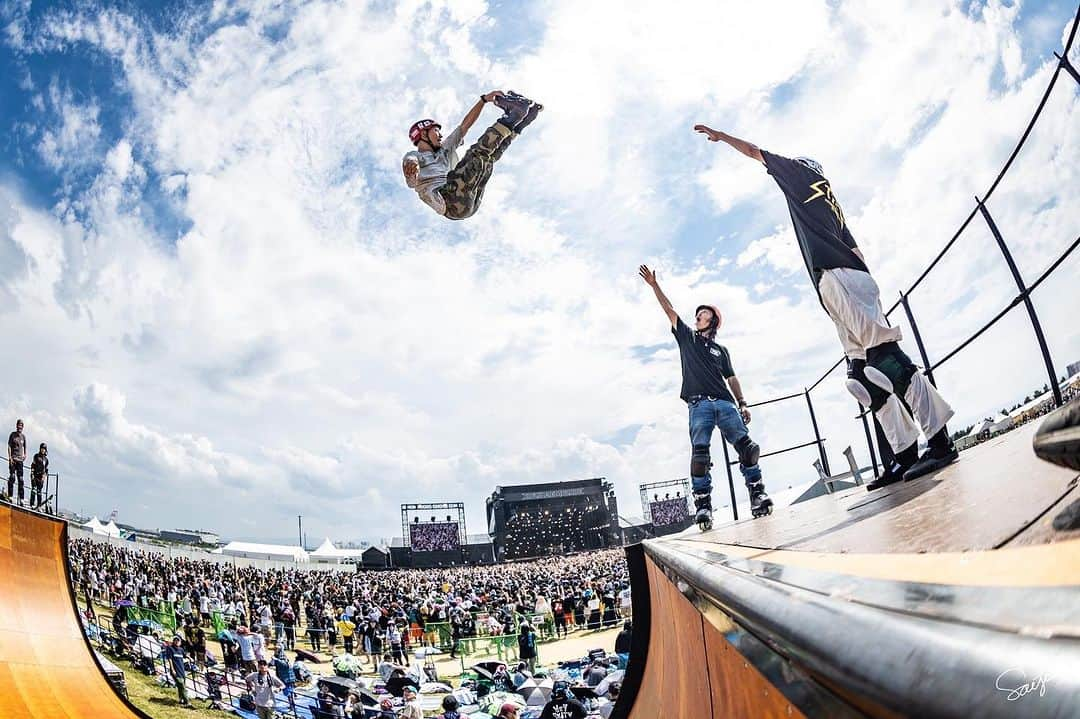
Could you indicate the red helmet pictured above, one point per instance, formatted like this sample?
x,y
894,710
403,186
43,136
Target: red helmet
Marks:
x,y
717,318
418,127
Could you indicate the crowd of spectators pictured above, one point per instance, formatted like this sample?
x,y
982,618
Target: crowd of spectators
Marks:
x,y
251,616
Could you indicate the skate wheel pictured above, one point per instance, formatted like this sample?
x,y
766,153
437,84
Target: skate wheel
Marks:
x,y
705,525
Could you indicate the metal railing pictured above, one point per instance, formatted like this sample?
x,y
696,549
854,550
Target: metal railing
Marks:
x,y
1023,297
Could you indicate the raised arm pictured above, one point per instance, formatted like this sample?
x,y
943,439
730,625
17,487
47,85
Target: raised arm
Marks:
x,y
473,114
747,148
650,279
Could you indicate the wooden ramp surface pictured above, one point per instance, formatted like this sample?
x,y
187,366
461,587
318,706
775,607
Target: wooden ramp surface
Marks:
x,y
897,602
47,669
998,494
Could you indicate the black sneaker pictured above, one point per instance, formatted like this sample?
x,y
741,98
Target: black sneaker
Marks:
x,y
1058,439
932,461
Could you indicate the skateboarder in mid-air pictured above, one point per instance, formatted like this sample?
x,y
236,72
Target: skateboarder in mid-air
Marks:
x,y
705,366
452,188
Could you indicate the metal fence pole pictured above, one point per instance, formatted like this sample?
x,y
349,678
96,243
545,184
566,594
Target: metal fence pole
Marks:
x,y
817,434
1068,66
1027,301
730,480
869,441
918,339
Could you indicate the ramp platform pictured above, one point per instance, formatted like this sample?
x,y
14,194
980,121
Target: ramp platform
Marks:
x,y
47,668
950,596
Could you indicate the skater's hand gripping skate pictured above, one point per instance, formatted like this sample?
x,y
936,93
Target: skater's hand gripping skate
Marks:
x,y
411,168
490,97
713,135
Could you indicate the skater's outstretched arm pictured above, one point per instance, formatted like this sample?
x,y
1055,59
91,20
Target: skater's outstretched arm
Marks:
x,y
736,389
472,115
650,279
747,148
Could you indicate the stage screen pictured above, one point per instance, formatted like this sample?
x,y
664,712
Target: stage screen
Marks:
x,y
669,511
434,537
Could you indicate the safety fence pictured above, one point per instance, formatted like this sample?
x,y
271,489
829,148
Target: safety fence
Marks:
x,y
16,491
1022,298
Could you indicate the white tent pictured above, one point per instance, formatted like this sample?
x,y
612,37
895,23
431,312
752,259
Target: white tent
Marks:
x,y
327,552
95,526
276,552
112,530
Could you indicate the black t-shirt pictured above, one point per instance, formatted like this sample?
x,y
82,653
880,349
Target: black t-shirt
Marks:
x,y
570,709
824,238
705,364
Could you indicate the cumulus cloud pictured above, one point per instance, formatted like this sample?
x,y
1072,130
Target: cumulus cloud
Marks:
x,y
234,295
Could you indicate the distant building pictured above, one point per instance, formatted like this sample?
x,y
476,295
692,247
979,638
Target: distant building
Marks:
x,y
1073,369
189,536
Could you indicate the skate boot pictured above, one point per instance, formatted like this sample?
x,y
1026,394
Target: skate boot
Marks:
x,y
940,453
901,463
703,516
516,108
535,108
760,502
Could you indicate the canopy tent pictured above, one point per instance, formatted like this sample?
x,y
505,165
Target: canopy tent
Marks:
x,y
276,552
327,552
106,530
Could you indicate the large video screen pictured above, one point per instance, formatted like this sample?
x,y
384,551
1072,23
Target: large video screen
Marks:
x,y
434,537
669,511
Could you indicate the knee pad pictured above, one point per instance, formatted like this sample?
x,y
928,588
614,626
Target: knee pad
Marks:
x,y
888,367
700,461
868,385
748,451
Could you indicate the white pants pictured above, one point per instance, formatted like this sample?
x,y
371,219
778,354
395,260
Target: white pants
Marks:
x,y
853,301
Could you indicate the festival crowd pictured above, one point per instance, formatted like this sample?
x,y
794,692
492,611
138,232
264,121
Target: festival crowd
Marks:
x,y
251,616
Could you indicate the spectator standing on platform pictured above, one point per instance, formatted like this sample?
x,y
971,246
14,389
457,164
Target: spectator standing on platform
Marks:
x,y
16,456
711,391
174,656
262,685
284,672
39,469
880,375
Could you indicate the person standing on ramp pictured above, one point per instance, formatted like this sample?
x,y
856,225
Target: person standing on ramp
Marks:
x,y
452,188
880,375
705,366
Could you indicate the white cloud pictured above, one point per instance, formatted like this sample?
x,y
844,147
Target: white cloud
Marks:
x,y
305,336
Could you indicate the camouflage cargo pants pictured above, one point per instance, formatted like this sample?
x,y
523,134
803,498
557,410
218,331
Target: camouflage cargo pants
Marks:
x,y
465,184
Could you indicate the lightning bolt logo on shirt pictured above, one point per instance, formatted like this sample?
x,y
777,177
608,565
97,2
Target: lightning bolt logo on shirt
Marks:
x,y
821,189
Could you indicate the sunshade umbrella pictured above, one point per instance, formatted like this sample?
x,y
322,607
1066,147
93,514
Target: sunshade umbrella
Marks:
x,y
536,694
487,669
346,665
492,702
339,686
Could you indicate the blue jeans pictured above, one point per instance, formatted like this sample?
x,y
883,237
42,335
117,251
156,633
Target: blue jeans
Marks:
x,y
704,416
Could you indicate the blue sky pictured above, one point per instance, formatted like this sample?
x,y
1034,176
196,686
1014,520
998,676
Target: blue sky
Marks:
x,y
230,293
